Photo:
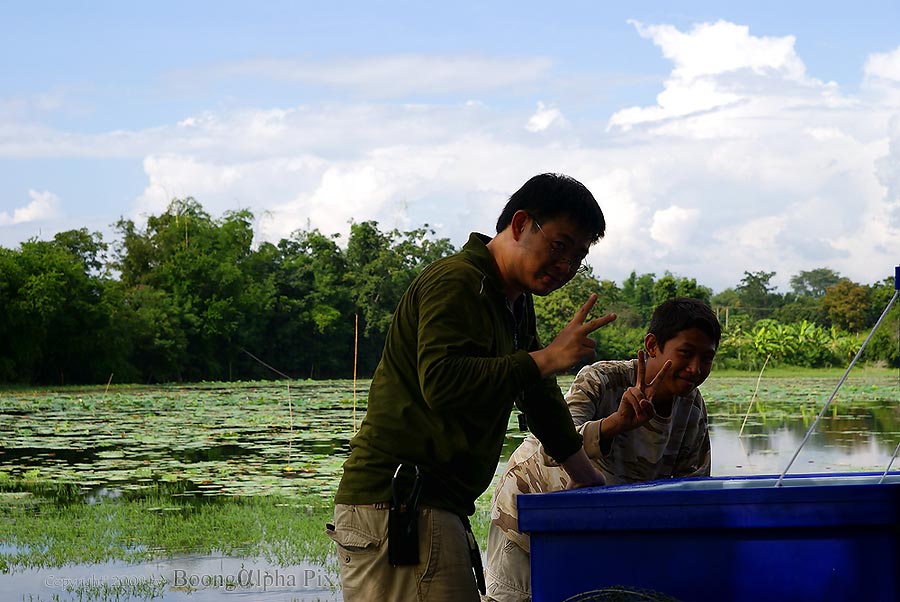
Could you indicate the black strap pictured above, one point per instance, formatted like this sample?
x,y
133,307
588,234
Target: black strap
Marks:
x,y
475,556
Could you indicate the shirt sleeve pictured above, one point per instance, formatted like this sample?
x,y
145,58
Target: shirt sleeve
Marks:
x,y
695,459
583,399
550,421
584,395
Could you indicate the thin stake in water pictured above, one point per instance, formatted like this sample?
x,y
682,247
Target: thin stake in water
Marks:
x,y
752,399
290,403
355,352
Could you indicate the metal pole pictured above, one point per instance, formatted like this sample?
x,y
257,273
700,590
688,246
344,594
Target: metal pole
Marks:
x,y
843,378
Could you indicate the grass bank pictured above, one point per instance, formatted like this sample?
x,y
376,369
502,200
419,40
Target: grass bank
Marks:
x,y
779,372
42,532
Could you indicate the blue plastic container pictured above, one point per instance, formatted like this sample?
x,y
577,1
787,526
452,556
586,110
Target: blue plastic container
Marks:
x,y
816,537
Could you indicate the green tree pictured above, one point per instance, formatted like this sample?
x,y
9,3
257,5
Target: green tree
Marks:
x,y
726,304
847,305
688,287
814,283
157,343
637,291
310,322
669,287
664,289
618,340
799,308
756,296
381,266
199,263
55,325
884,343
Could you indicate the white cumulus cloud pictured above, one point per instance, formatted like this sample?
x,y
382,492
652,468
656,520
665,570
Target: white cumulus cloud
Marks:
x,y
673,225
43,205
544,118
723,47
785,172
721,66
884,65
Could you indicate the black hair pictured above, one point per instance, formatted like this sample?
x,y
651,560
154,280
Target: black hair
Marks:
x,y
682,313
550,195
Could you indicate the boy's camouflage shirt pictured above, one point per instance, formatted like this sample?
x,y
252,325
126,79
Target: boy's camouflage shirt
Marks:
x,y
675,446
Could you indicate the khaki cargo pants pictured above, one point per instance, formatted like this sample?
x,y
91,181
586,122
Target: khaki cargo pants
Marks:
x,y
444,572
508,569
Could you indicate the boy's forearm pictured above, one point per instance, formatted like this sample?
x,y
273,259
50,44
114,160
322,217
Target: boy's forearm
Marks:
x,y
609,428
598,436
606,430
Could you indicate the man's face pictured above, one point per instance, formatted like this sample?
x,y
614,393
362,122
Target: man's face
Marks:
x,y
691,353
554,252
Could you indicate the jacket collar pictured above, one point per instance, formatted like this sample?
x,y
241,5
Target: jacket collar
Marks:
x,y
476,249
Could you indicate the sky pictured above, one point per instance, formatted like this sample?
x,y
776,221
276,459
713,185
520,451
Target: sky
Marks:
x,y
718,138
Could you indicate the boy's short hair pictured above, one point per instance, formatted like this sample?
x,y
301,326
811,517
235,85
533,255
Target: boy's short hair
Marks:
x,y
550,195
682,313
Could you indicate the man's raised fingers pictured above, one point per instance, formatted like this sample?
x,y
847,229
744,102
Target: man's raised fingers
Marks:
x,y
584,310
596,323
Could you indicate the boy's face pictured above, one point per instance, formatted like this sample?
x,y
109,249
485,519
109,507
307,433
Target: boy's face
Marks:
x,y
691,353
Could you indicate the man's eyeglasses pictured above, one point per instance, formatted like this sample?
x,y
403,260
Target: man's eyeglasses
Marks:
x,y
558,252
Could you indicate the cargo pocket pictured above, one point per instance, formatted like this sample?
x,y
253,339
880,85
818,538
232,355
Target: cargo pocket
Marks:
x,y
351,540
357,531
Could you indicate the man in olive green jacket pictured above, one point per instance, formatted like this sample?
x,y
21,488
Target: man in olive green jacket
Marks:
x,y
461,351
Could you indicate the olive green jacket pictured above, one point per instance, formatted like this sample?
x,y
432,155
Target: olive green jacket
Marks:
x,y
455,361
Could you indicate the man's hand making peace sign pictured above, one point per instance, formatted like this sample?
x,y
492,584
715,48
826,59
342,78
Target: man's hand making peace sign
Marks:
x,y
572,345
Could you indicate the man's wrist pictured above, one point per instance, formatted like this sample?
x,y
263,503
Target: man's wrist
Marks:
x,y
581,471
543,360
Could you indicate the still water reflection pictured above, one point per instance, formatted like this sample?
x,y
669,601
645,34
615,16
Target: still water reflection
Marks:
x,y
859,431
770,453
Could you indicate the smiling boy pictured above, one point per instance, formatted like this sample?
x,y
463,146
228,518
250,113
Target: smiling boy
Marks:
x,y
642,419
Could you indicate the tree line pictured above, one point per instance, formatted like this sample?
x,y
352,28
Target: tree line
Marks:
x,y
188,297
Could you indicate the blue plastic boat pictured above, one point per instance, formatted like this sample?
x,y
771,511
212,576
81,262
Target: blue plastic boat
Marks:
x,y
813,537
727,539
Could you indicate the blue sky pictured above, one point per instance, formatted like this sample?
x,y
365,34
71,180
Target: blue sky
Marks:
x,y
717,139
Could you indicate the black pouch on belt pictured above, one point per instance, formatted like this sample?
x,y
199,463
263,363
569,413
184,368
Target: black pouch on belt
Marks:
x,y
403,518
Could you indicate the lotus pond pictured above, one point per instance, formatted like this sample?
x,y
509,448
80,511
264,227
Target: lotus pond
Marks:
x,y
219,491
